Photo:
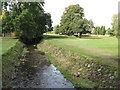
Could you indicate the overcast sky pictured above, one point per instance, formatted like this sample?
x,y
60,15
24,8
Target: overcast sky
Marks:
x,y
100,11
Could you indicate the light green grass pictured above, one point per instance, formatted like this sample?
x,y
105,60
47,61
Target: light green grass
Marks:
x,y
104,49
7,43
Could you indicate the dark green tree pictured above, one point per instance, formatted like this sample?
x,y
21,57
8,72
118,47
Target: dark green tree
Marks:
x,y
7,25
30,21
48,26
103,30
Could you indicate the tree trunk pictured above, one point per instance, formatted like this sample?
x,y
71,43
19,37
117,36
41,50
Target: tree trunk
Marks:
x,y
79,35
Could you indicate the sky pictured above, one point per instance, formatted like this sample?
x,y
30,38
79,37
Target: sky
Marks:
x,y
100,11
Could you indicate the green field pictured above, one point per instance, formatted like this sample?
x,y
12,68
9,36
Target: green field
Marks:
x,y
102,48
7,43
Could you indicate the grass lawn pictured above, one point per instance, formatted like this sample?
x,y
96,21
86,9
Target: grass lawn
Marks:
x,y
6,43
104,49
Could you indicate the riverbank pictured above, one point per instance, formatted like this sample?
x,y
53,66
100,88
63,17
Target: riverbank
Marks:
x,y
82,70
10,60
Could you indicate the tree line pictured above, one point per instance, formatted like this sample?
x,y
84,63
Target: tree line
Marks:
x,y
27,19
73,22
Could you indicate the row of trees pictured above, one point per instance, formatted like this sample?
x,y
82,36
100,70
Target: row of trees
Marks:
x,y
73,22
27,19
99,30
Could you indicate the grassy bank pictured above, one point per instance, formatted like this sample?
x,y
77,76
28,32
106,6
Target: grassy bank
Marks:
x,y
80,64
7,43
10,60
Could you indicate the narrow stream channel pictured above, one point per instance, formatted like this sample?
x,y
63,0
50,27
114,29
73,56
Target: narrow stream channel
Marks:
x,y
36,71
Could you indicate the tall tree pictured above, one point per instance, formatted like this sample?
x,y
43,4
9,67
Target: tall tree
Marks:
x,y
30,21
48,25
70,13
103,30
72,21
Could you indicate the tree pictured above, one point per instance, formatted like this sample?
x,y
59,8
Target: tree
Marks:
x,y
30,21
71,13
99,30
7,25
115,24
73,22
110,32
81,26
48,22
103,30
57,29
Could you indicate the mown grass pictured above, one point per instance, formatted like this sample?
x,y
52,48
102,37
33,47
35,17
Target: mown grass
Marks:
x,y
7,43
92,57
103,49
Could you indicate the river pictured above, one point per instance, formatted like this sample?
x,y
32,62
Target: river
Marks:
x,y
36,71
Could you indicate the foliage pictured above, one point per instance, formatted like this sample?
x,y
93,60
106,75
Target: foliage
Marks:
x,y
57,29
7,25
68,16
110,32
73,22
81,26
115,24
2,15
99,30
48,26
28,20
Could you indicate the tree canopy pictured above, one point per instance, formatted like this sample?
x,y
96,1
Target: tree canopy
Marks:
x,y
28,19
73,21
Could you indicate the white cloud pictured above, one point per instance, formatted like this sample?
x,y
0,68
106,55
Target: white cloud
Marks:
x,y
100,11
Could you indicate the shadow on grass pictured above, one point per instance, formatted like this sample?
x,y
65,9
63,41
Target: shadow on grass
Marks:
x,y
54,37
74,37
89,37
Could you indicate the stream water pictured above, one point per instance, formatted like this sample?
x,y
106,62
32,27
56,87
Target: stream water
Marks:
x,y
36,71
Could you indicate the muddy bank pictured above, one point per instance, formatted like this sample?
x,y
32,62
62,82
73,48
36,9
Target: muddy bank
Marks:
x,y
36,71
